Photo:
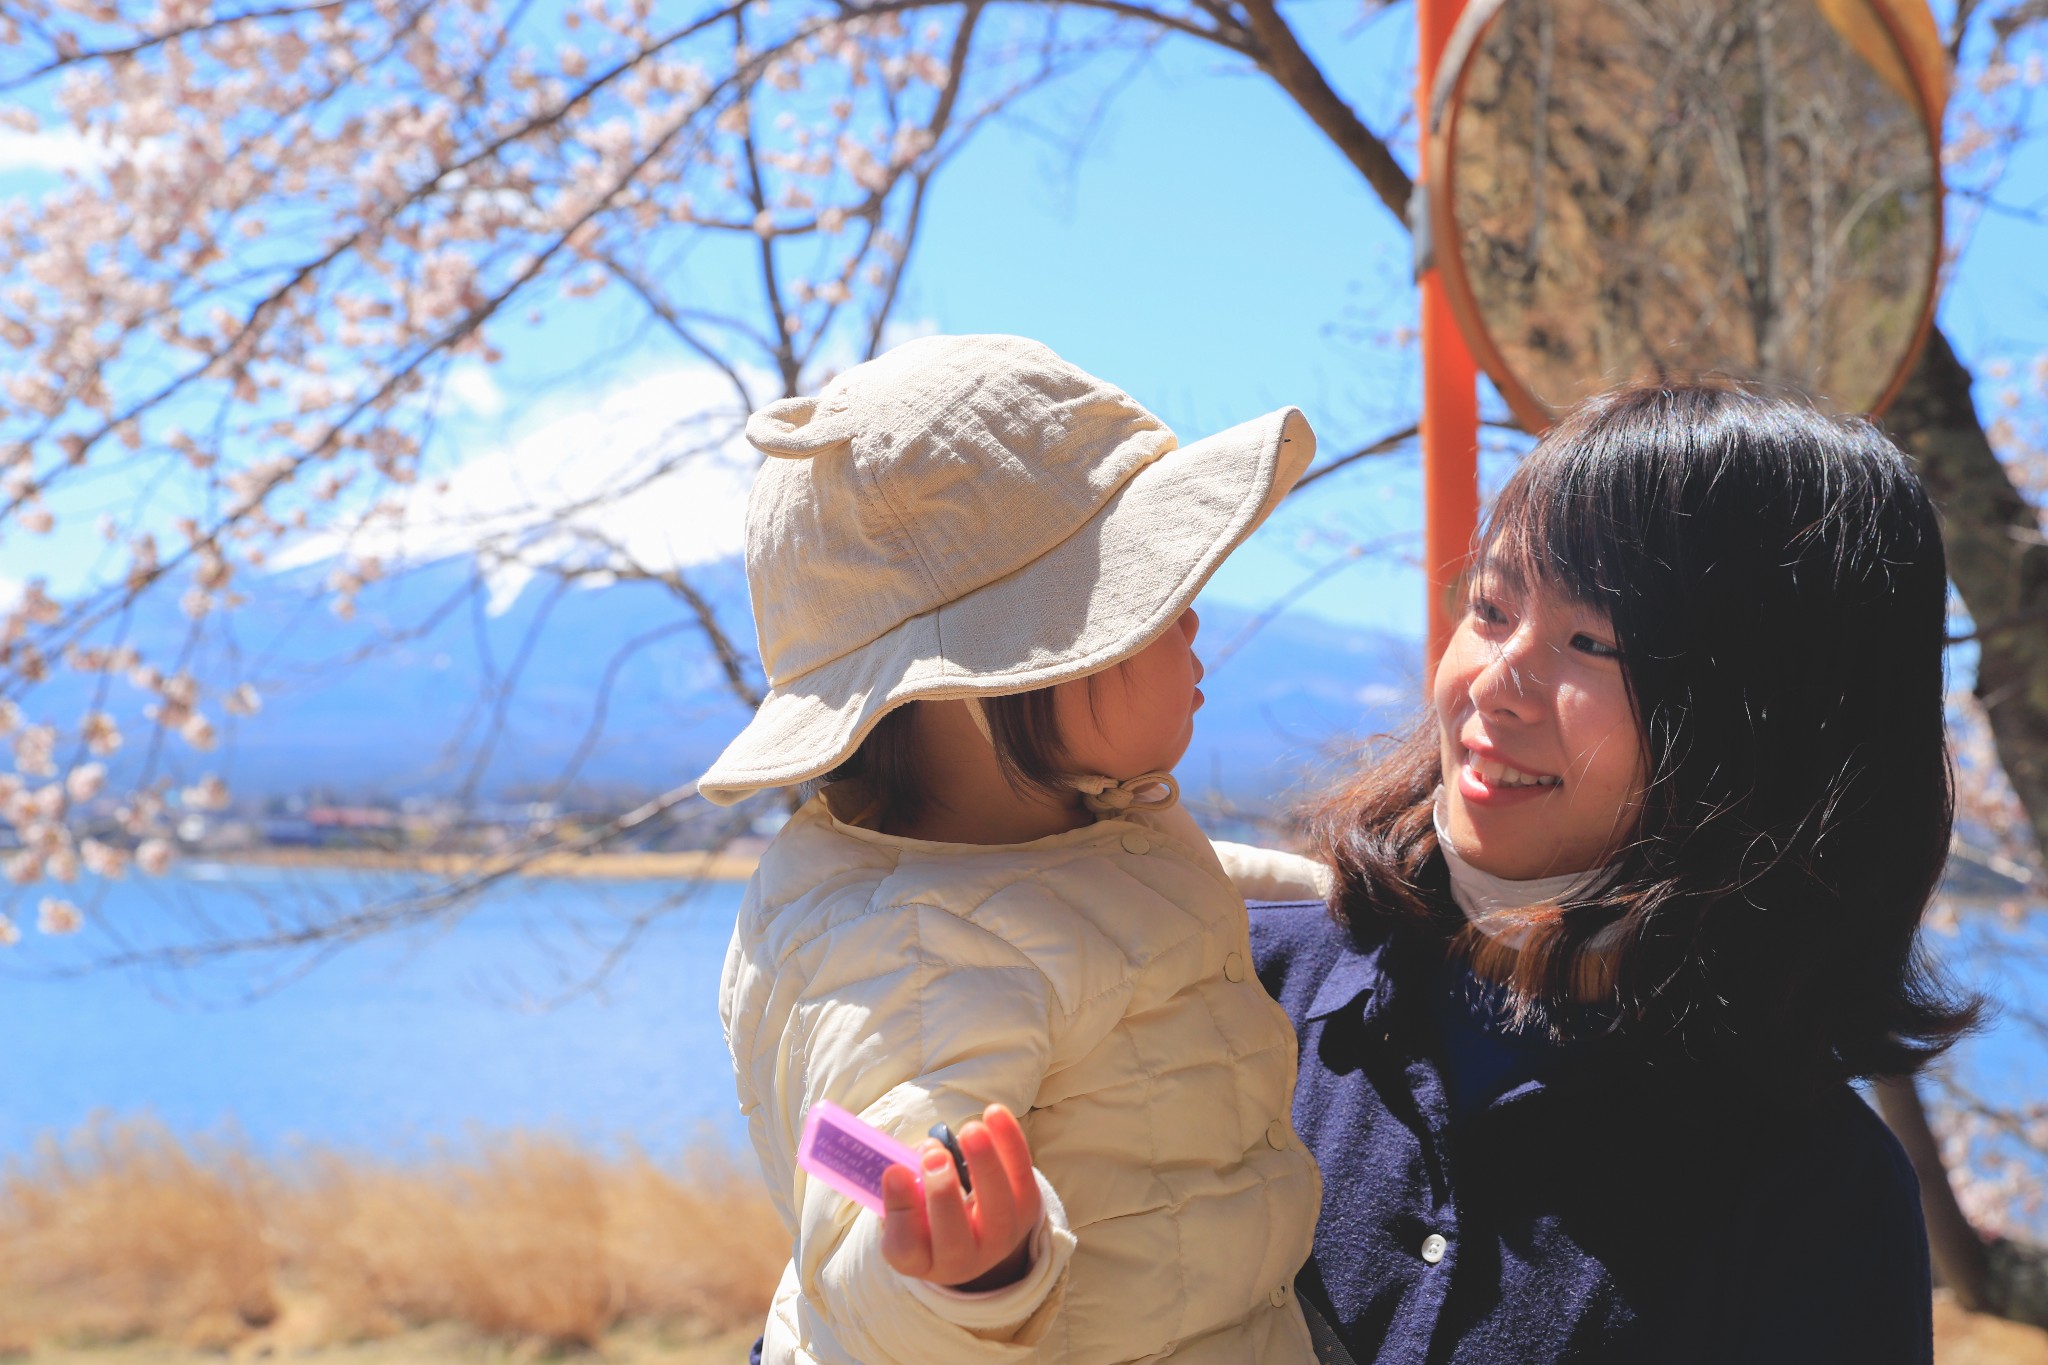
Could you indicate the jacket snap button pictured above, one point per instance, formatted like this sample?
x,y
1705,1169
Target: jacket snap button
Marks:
x,y
1233,967
1433,1248
1137,843
1276,1138
1279,1295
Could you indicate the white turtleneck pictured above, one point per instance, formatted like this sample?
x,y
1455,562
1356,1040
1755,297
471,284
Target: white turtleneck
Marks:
x,y
1492,904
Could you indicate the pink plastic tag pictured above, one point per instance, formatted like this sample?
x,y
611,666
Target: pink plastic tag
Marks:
x,y
850,1155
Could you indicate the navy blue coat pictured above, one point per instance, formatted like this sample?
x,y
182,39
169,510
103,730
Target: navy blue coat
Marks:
x,y
1588,1210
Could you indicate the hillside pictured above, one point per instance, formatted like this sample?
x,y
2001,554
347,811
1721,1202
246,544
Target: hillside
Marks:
x,y
394,701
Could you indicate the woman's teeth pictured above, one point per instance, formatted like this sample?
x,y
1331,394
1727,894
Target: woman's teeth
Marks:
x,y
1498,774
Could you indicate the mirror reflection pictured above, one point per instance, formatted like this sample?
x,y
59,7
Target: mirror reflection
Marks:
x,y
1649,187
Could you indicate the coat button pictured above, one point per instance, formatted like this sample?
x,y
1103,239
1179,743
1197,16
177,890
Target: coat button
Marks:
x,y
1279,1296
1233,967
1433,1247
1137,843
1276,1135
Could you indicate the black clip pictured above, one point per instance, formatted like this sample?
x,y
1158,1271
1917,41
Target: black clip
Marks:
x,y
952,1144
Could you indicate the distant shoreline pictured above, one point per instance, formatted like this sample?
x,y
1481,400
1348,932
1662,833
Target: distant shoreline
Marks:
x,y
691,865
684,866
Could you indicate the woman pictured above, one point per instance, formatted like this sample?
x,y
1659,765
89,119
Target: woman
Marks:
x,y
1615,927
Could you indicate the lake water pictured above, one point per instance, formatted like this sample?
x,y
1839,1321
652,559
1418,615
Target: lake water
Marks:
x,y
414,1038
398,1041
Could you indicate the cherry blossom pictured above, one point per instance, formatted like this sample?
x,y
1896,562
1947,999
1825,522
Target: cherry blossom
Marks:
x,y
55,916
84,782
154,856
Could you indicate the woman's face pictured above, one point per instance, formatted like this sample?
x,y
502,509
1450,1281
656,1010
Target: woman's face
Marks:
x,y
1543,763
1139,716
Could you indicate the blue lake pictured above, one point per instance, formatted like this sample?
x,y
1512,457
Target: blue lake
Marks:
x,y
502,1018
491,1022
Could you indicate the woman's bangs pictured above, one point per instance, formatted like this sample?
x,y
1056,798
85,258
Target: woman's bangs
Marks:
x,y
1543,535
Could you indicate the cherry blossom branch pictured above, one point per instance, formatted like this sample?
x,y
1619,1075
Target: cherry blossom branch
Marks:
x,y
153,40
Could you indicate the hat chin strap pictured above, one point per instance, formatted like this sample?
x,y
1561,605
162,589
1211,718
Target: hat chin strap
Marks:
x,y
1104,796
1107,796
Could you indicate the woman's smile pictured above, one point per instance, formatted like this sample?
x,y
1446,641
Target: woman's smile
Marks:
x,y
1488,777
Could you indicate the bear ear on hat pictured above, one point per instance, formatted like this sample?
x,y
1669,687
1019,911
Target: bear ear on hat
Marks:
x,y
799,428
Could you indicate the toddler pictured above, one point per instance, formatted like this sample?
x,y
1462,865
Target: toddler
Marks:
x,y
971,566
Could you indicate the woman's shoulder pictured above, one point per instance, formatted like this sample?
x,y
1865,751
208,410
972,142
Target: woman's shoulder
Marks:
x,y
1838,1153
1300,948
1284,932
1824,1247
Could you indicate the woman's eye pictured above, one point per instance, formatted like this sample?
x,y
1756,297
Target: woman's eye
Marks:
x,y
1484,610
1599,649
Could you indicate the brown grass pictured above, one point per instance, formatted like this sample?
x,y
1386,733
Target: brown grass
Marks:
x,y
1962,1338
127,1232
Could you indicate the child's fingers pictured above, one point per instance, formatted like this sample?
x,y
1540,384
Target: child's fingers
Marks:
x,y
906,1240
995,1215
945,1213
1014,1149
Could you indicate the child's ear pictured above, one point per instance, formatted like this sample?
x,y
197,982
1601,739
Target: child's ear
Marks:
x,y
800,428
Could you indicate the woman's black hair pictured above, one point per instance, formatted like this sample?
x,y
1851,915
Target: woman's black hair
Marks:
x,y
1777,588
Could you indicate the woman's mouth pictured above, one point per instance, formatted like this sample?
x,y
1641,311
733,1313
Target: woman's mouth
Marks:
x,y
1489,781
1495,773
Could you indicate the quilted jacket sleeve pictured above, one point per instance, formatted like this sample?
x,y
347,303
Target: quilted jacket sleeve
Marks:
x,y
1268,874
915,1015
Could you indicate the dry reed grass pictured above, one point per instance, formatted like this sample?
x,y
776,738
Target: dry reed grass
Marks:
x,y
126,1231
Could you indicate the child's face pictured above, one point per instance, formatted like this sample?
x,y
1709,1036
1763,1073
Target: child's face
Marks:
x,y
1140,715
1543,764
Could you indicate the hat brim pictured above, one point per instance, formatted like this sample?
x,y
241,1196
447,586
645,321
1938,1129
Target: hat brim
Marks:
x,y
1095,599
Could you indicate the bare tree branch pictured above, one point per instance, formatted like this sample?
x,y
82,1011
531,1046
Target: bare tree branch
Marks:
x,y
1289,64
1958,1251
1385,445
2012,21
1996,558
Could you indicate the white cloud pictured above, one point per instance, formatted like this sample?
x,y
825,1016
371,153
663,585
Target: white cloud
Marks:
x,y
473,386
52,149
899,330
655,473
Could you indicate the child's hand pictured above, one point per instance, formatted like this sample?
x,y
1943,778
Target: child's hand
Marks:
x,y
967,1242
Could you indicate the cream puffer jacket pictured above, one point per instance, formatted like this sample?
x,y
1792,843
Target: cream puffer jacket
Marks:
x,y
1099,983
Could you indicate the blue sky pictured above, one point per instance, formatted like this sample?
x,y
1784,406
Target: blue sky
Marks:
x,y
1214,255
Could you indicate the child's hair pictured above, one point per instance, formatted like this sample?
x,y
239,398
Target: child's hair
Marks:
x,y
1026,733
1777,587
1027,746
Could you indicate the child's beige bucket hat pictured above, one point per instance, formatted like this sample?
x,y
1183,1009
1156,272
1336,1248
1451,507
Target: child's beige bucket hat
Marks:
x,y
972,516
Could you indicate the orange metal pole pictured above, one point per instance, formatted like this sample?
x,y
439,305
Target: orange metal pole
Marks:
x,y
1450,398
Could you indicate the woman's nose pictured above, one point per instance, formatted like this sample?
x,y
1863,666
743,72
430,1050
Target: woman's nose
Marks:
x,y
1508,683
